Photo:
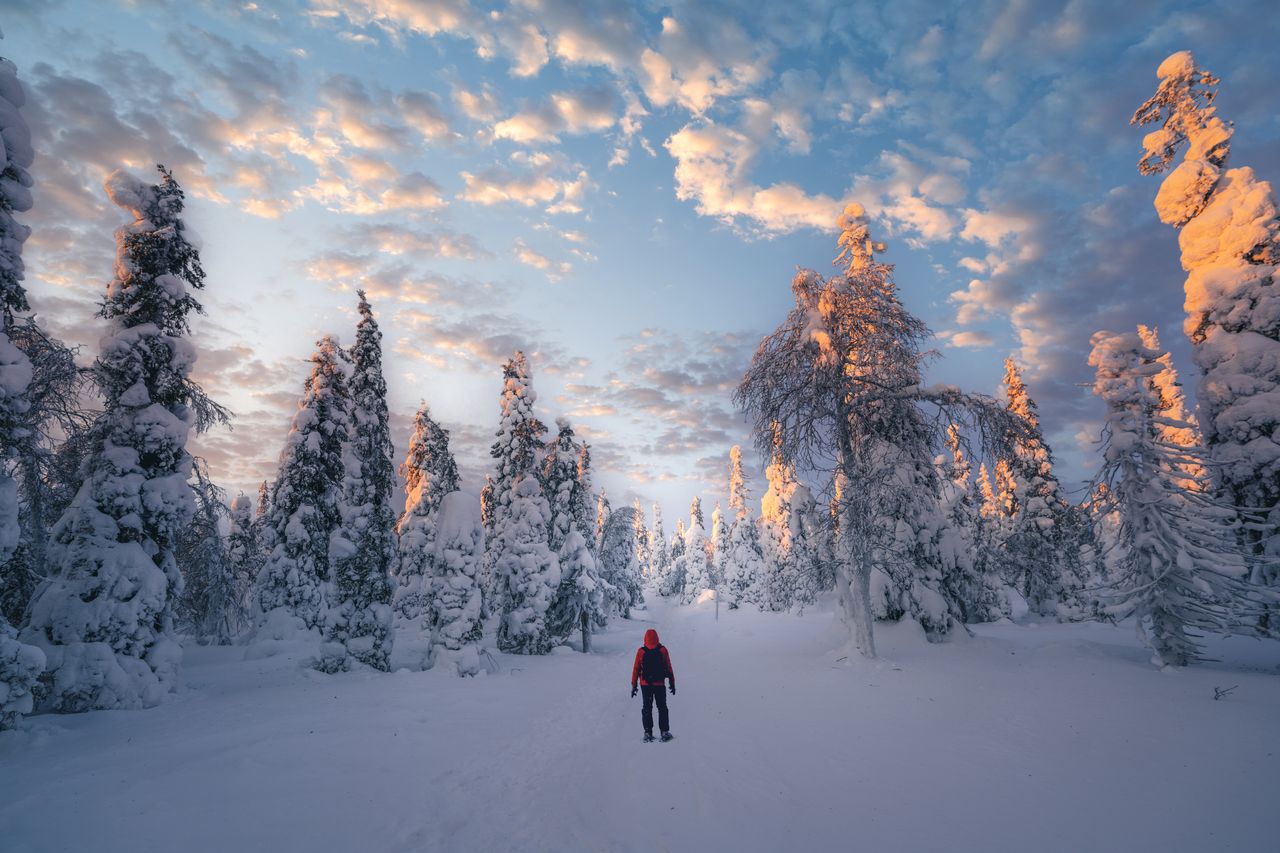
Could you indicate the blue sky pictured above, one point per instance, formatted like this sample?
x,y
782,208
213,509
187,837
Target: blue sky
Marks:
x,y
622,190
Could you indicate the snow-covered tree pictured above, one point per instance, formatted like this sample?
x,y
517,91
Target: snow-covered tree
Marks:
x,y
617,564
105,616
523,566
212,606
457,549
718,565
603,511
559,476
659,551
528,571
694,566
779,528
1179,566
429,473
20,663
643,554
358,625
580,600
580,595
1230,242
306,497
244,552
1043,557
841,379
673,583
965,583
584,497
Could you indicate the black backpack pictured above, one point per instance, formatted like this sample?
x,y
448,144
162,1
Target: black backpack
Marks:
x,y
654,665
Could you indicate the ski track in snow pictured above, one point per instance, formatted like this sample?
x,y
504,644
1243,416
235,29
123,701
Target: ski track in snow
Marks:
x,y
1037,737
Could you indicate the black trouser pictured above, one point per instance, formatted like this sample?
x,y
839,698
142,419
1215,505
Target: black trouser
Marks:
x,y
658,692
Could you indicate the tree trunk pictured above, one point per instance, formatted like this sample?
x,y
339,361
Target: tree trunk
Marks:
x,y
586,633
853,553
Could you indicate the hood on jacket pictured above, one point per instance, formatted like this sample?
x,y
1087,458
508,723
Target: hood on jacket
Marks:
x,y
651,639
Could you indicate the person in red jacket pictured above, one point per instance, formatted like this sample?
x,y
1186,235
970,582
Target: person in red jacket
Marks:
x,y
651,668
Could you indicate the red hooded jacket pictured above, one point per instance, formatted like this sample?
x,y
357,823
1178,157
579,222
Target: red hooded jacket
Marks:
x,y
651,642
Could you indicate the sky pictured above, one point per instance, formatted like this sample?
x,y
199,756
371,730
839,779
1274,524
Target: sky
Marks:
x,y
624,191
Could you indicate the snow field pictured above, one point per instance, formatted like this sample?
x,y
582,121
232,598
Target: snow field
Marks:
x,y
1035,737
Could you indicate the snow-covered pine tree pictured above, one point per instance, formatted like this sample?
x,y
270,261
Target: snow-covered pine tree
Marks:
x,y
559,475
528,571
212,606
964,582
603,511
617,564
306,498
20,663
673,584
1043,557
1179,567
104,617
718,565
584,497
457,548
659,552
643,554
522,564
777,528
695,565
244,553
358,626
579,597
842,379
1230,242
429,473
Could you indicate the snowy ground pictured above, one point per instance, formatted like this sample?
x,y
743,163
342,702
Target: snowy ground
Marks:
x,y
1041,737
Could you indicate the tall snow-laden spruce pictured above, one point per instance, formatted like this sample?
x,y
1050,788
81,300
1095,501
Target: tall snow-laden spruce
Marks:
x,y
1230,242
559,476
104,617
841,383
20,663
525,570
457,608
617,565
641,531
1042,552
673,583
695,567
579,597
244,551
659,551
1179,567
306,500
429,473
717,552
787,531
966,580
358,628
748,579
584,497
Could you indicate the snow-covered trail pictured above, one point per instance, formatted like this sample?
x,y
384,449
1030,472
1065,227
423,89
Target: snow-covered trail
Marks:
x,y
1040,737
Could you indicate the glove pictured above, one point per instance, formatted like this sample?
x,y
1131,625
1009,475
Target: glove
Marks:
x,y
633,691
673,688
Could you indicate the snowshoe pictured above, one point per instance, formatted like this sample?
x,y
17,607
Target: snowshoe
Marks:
x,y
648,737
666,736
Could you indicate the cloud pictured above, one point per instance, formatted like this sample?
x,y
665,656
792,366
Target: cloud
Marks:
x,y
541,181
713,165
555,270
584,111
